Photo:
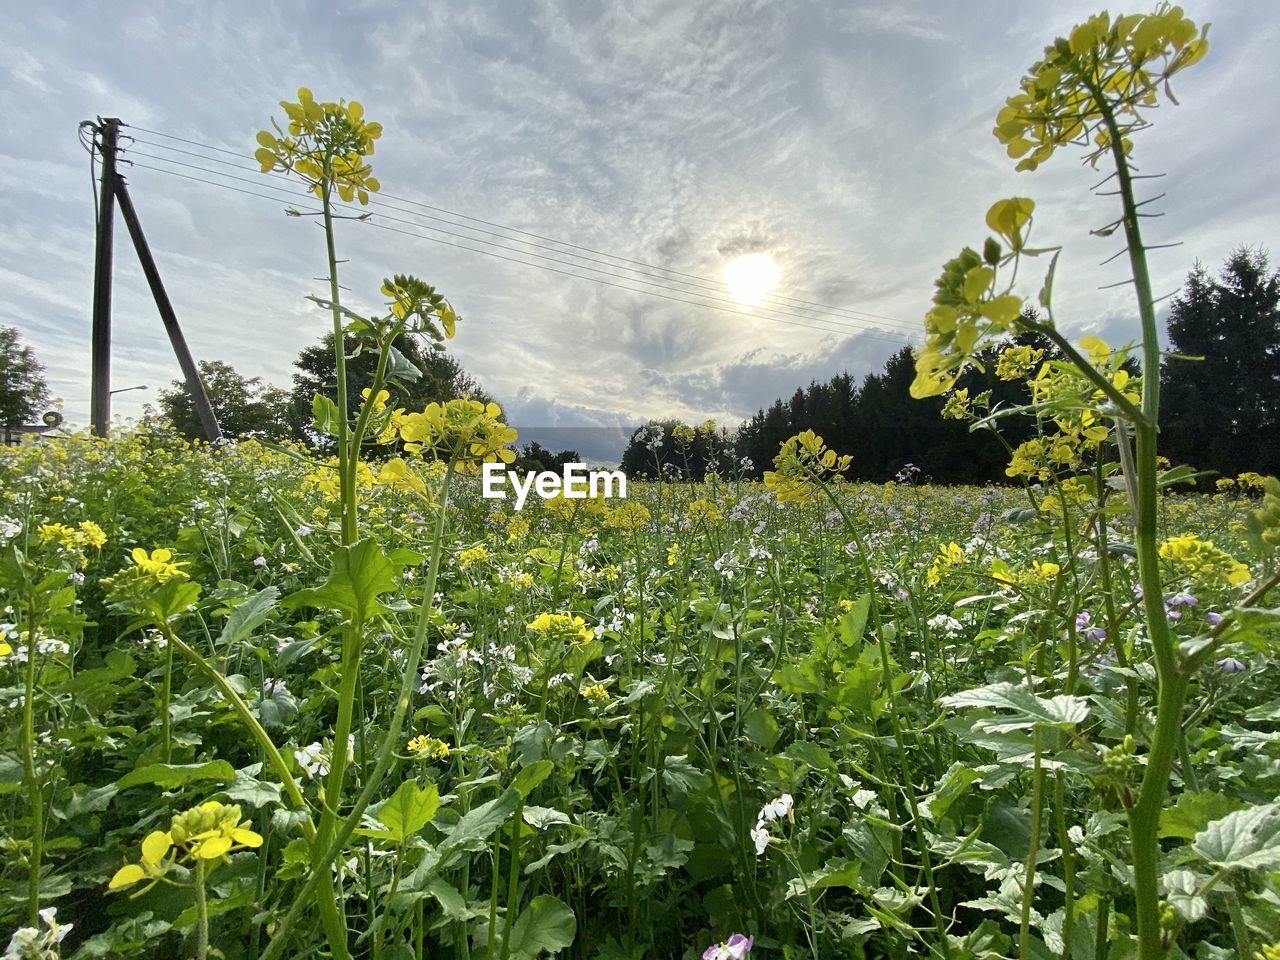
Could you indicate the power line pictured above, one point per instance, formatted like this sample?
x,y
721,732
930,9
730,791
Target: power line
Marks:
x,y
379,226
836,325
688,278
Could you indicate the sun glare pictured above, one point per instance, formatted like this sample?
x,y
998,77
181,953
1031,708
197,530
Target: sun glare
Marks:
x,y
750,278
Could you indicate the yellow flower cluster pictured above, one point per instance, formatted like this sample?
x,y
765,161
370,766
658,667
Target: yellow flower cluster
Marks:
x,y
471,556
1204,561
949,555
703,510
628,515
86,534
466,432
205,833
414,299
801,460
423,747
561,627
1268,515
326,144
1014,363
158,564
1118,64
957,405
595,694
968,306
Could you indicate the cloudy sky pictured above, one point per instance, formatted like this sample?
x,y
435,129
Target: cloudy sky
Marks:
x,y
849,141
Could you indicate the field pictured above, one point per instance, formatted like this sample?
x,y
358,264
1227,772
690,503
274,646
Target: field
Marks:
x,y
844,721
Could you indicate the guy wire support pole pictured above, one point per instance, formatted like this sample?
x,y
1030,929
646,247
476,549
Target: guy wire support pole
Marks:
x,y
108,132
190,372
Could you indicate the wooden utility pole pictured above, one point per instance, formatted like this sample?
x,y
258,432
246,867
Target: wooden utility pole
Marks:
x,y
113,190
190,372
100,390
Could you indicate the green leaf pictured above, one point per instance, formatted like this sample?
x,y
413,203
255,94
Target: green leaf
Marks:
x,y
247,788
853,623
119,665
476,826
1181,889
408,810
545,926
530,776
762,728
400,368
1029,711
170,776
359,574
1247,839
326,415
171,598
1193,812
682,777
248,616
834,873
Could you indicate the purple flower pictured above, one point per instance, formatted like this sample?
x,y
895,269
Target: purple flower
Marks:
x,y
1231,665
1181,599
1092,634
735,948
1213,618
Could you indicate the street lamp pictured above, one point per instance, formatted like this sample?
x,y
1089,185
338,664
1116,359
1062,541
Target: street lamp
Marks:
x,y
142,386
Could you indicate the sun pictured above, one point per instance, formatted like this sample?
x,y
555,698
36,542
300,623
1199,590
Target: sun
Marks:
x,y
750,278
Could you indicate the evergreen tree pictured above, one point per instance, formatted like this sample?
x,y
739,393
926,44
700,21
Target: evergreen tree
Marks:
x,y
1222,412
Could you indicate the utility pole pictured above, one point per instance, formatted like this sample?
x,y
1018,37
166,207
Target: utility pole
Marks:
x,y
190,372
113,189
100,390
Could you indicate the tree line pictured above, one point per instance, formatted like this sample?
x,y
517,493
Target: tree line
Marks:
x,y
1220,384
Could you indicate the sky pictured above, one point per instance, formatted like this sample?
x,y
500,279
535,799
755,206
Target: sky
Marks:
x,y
851,142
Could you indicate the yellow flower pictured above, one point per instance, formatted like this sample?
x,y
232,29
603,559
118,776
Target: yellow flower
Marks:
x,y
1015,363
158,564
423,747
595,694
465,431
326,144
562,626
471,556
92,534
673,554
1121,64
800,460
957,405
398,475
628,515
1204,561
64,535
704,511
204,833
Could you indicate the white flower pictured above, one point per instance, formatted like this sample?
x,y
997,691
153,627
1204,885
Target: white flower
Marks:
x,y
776,809
28,943
303,531
760,837
312,761
259,561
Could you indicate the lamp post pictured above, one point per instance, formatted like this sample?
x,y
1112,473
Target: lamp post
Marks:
x,y
141,386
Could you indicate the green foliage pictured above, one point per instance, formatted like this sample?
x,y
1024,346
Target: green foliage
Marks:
x,y
23,391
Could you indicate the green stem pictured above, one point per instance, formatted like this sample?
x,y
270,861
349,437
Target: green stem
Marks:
x,y
1033,852
35,790
345,474
166,696
322,860
1171,682
202,914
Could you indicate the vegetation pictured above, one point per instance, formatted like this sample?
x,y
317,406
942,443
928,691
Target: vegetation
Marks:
x,y
23,391
269,702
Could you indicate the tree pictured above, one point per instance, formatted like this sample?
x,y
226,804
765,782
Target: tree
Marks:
x,y
1222,412
23,391
534,456
678,451
440,378
243,406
